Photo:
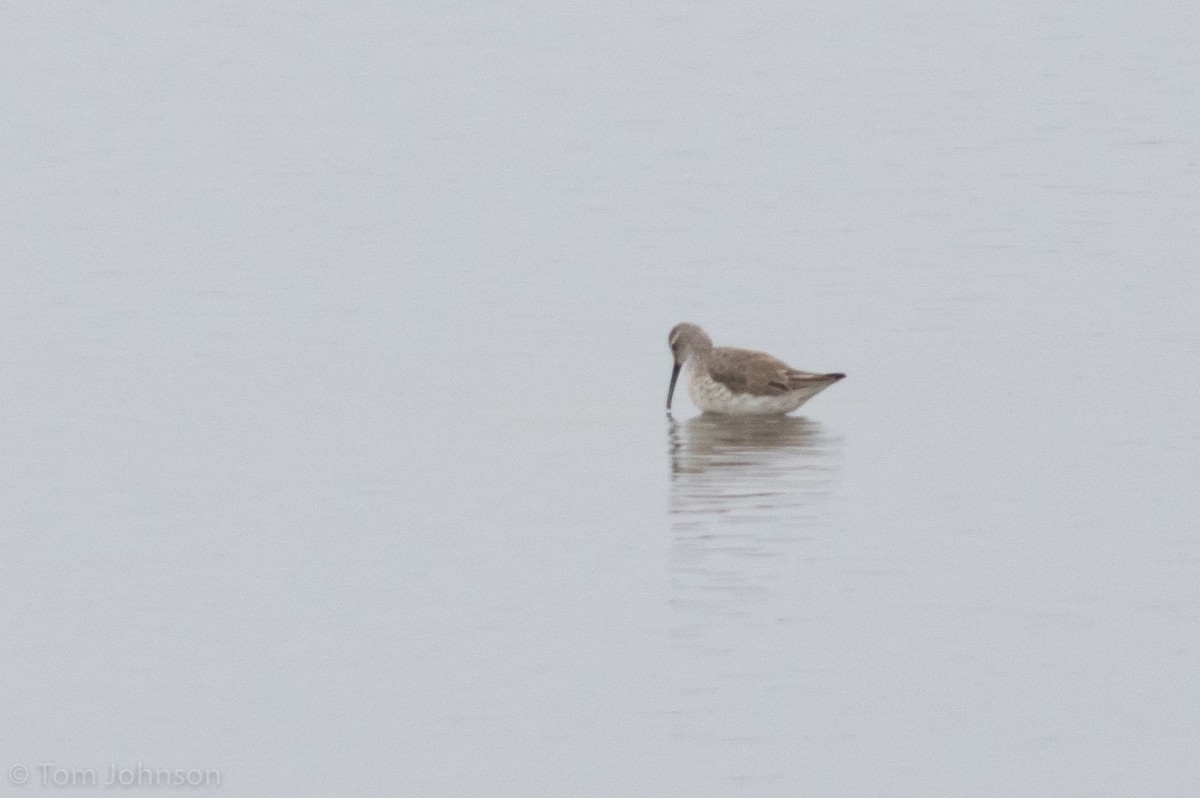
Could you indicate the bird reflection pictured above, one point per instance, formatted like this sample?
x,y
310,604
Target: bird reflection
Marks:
x,y
728,443
744,484
749,499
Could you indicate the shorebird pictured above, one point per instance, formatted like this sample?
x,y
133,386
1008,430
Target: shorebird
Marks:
x,y
739,381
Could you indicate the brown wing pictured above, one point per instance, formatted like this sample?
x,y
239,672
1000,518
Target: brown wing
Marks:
x,y
759,374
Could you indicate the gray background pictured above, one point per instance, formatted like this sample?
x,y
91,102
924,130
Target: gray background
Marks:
x,y
332,367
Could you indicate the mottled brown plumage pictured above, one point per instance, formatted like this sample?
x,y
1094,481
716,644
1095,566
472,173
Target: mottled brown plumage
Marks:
x,y
759,374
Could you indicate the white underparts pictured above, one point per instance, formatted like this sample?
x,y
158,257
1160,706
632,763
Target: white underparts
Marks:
x,y
714,397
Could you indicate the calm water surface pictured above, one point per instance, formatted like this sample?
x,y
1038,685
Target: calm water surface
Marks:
x,y
333,454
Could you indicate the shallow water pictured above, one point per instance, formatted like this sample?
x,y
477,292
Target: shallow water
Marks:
x,y
334,455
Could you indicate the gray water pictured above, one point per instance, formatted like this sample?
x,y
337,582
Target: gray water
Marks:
x,y
333,455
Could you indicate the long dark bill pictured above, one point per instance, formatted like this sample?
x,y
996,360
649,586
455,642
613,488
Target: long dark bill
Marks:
x,y
674,376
